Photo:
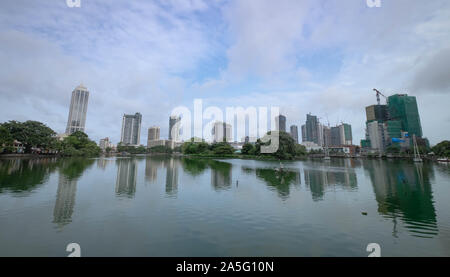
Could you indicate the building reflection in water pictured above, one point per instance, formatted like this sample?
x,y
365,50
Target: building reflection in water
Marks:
x,y
319,178
403,192
221,175
152,164
126,177
70,171
65,200
103,162
171,166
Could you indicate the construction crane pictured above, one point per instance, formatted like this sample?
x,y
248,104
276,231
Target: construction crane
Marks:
x,y
378,95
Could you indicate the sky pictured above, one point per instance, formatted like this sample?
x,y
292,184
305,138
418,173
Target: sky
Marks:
x,y
305,56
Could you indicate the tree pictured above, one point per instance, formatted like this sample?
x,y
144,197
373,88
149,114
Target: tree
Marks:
x,y
5,138
300,150
79,144
31,134
247,149
442,149
286,147
192,147
222,148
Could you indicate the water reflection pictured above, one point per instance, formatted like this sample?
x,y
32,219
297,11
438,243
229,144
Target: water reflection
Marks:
x,y
171,166
19,175
70,170
279,180
103,162
403,191
320,177
221,175
152,164
126,177
221,172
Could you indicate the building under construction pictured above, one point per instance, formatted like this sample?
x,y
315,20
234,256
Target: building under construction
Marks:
x,y
392,124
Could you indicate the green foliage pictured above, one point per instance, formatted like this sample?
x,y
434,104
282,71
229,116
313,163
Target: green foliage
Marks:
x,y
442,149
30,134
286,147
5,139
79,144
195,147
160,149
300,150
248,149
222,148
132,149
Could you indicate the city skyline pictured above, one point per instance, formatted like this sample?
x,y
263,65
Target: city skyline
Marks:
x,y
171,54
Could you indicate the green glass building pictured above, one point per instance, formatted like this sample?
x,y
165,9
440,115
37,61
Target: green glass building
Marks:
x,y
403,108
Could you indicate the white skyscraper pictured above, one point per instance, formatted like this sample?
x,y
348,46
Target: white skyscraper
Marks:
x,y
78,110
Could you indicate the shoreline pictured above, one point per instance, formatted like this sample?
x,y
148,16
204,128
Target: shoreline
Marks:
x,y
241,157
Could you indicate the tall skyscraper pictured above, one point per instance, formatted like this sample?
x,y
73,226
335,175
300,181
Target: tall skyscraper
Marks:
x,y
280,123
345,131
78,110
312,127
131,129
294,133
404,109
174,130
304,137
335,136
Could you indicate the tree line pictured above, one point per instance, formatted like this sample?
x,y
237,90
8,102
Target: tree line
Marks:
x,y
35,137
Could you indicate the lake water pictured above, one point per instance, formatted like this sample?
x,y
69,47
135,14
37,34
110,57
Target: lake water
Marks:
x,y
162,206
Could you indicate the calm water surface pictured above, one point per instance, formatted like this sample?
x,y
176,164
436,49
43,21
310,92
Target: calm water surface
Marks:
x,y
161,206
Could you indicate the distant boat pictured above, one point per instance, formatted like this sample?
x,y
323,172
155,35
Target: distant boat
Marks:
x,y
443,160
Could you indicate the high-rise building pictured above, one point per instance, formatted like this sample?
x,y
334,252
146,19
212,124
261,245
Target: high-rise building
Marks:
x,y
153,133
131,129
294,133
335,136
404,109
320,138
280,123
154,137
393,123
346,134
174,128
312,125
377,113
221,132
326,136
376,132
304,137
78,110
